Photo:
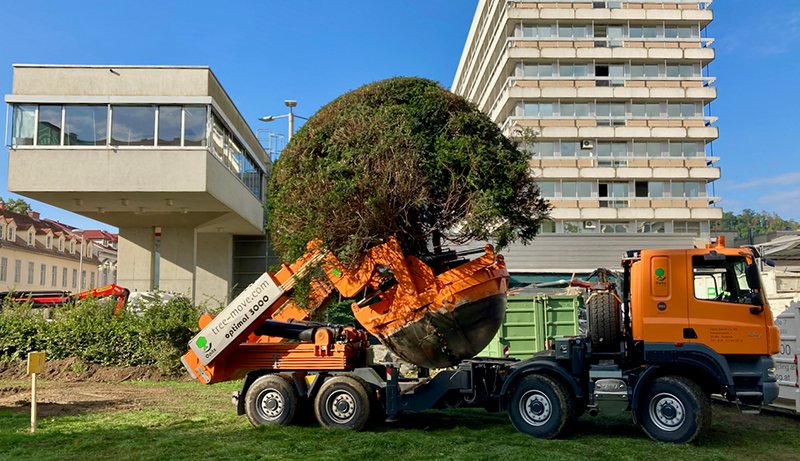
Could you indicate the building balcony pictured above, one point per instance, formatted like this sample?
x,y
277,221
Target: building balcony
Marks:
x,y
138,187
625,167
697,208
629,11
589,128
694,50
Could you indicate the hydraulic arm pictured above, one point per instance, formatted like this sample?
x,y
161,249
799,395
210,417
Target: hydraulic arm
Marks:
x,y
414,308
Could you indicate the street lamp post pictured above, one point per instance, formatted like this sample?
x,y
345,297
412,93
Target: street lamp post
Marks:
x,y
291,104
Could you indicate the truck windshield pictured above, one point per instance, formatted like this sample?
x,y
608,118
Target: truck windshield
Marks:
x,y
722,280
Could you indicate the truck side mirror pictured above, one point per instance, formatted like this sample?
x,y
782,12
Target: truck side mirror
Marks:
x,y
751,274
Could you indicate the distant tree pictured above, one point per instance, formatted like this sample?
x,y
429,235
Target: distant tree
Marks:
x,y
760,222
18,206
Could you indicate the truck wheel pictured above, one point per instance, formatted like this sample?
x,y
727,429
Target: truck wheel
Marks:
x,y
342,402
271,399
541,407
604,325
674,409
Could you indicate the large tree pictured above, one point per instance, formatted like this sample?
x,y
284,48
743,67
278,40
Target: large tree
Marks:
x,y
401,157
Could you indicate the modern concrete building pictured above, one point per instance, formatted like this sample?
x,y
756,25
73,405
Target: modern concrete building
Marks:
x,y
611,99
160,152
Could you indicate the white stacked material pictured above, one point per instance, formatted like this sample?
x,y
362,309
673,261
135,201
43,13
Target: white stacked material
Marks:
x,y
786,360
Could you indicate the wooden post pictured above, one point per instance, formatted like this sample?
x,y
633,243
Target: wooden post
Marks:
x,y
35,365
33,402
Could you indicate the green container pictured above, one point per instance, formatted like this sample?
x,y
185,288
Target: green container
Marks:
x,y
530,321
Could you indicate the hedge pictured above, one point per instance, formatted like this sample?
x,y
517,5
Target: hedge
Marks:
x,y
90,331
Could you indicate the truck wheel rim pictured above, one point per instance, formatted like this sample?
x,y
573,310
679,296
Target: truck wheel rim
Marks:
x,y
341,406
535,408
667,412
271,404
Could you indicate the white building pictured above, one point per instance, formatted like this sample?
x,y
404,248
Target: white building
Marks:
x,y
162,153
611,99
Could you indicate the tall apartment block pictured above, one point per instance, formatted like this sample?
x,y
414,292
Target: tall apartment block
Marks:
x,y
611,100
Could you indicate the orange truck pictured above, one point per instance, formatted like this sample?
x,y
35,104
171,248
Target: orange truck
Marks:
x,y
675,328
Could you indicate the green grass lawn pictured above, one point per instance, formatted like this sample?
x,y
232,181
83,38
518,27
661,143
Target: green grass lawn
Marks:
x,y
198,423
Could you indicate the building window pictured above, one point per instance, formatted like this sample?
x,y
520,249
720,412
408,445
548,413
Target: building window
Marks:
x,y
91,280
30,272
23,125
169,125
85,125
3,269
49,241
133,125
547,227
580,189
61,243
63,277
54,276
195,120
650,227
613,228
43,274
17,271
49,133
74,278
30,238
12,234
83,280
547,188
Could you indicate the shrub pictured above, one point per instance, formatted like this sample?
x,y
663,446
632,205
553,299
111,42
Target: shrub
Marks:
x,y
89,330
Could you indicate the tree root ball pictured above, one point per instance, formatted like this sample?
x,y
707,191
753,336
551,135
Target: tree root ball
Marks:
x,y
400,157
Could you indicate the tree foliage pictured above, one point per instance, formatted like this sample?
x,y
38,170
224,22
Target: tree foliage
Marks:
x,y
18,206
400,157
761,222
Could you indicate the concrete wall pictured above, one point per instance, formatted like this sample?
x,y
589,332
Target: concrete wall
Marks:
x,y
135,263
177,260
214,268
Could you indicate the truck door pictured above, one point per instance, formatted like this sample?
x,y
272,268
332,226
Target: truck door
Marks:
x,y
723,309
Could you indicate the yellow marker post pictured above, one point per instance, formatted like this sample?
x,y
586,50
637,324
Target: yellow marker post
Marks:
x,y
35,365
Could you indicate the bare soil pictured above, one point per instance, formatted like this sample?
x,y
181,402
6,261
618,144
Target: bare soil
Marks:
x,y
76,370
72,387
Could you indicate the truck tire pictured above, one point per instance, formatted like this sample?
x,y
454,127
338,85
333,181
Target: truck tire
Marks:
x,y
604,325
343,402
674,409
271,400
541,407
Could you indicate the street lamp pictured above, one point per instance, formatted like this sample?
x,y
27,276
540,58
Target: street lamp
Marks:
x,y
290,103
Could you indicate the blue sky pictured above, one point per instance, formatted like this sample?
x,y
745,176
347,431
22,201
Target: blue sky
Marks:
x,y
312,51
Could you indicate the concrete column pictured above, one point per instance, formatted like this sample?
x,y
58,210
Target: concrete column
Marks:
x,y
135,258
214,269
177,260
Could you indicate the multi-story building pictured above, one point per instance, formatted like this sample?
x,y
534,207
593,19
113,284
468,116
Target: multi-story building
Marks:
x,y
162,153
611,98
41,254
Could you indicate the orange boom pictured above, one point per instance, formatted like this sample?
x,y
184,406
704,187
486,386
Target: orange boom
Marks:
x,y
433,315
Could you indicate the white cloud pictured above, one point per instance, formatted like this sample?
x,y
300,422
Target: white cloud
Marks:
x,y
786,178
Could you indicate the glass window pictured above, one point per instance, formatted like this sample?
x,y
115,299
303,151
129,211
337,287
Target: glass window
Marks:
x,y
565,31
530,70
547,227
546,70
651,70
639,110
42,274
133,125
567,109
613,228
686,31
546,31
218,138
49,126
23,125
194,128
692,189
689,110
546,109
656,227
3,269
678,189
17,270
603,109
615,31
31,266
675,149
724,280
635,32
618,189
581,70
604,149
582,109
617,109
547,188
584,189
673,71
673,110
569,189
566,70
545,149
655,189
529,31
569,149
572,227
654,110
670,32
650,31
687,70
63,277
169,125
637,71
85,125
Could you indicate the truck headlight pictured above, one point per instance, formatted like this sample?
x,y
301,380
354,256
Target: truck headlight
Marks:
x,y
771,373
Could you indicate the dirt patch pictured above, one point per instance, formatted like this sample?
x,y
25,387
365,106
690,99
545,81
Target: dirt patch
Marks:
x,y
73,398
77,370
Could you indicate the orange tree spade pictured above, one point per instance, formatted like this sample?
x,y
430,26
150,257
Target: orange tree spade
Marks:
x,y
401,157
